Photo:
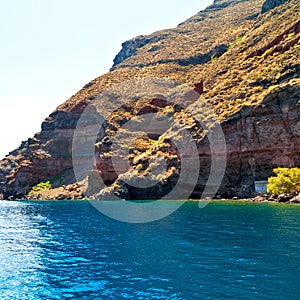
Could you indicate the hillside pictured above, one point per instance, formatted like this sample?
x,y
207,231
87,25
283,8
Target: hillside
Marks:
x,y
242,56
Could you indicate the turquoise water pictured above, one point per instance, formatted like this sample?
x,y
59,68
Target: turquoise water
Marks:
x,y
68,250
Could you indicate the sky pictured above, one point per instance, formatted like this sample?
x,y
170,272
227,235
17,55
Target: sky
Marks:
x,y
51,48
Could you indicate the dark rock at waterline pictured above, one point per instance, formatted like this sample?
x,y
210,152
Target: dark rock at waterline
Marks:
x,y
284,198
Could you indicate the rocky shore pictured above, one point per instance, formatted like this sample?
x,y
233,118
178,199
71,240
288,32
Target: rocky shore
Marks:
x,y
283,198
74,192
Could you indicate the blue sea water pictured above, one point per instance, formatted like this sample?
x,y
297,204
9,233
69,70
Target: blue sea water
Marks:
x,y
69,250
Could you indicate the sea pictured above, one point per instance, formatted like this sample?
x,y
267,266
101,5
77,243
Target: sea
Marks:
x,y
225,250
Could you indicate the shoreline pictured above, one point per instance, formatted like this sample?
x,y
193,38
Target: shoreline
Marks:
x,y
239,200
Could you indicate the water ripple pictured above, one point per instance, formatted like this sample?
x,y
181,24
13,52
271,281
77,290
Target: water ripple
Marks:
x,y
68,250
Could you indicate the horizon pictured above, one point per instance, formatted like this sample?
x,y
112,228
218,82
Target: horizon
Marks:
x,y
49,55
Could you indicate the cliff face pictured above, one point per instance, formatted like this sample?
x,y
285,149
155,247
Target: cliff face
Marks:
x,y
270,4
262,137
249,63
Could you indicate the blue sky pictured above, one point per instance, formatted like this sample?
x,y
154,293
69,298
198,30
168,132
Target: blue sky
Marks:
x,y
51,48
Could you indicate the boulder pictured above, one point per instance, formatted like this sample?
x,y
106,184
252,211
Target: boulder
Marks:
x,y
259,199
295,199
284,198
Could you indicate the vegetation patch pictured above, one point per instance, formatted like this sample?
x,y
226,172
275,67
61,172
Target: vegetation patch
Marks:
x,y
286,181
40,188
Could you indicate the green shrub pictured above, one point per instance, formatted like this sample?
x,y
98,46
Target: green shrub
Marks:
x,y
267,52
239,40
41,187
286,181
291,35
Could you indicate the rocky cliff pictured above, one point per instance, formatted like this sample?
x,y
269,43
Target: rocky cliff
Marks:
x,y
270,4
246,66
